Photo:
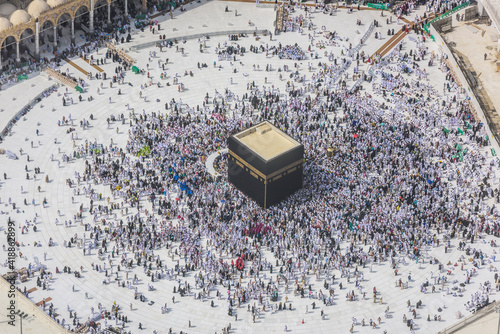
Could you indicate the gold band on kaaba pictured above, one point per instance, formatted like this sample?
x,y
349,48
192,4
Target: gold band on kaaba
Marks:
x,y
290,168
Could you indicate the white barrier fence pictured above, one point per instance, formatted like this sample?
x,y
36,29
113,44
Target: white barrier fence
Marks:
x,y
24,110
215,33
363,39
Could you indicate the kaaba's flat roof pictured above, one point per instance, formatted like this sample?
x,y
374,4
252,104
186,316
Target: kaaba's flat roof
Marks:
x,y
266,140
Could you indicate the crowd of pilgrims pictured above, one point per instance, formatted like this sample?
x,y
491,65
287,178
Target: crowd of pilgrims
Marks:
x,y
116,30
393,186
290,52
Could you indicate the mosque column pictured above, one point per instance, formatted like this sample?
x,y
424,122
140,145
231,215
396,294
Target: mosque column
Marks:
x,y
91,16
55,38
37,40
73,31
126,8
18,58
109,13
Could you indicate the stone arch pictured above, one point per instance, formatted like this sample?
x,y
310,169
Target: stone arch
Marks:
x,y
26,42
46,20
96,1
32,29
8,47
81,16
100,3
47,32
58,18
63,21
5,39
73,15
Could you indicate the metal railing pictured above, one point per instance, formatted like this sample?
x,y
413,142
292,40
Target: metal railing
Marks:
x,y
446,14
266,4
356,84
363,39
344,67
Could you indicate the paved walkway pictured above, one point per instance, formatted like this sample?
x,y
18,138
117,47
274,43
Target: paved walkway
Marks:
x,y
474,47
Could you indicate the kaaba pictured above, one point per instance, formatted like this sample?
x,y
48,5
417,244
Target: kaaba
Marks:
x,y
265,163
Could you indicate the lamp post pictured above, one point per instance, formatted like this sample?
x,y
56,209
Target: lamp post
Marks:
x,y
497,310
24,315
21,315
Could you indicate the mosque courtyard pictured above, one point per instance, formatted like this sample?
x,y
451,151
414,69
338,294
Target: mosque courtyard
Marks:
x,y
190,96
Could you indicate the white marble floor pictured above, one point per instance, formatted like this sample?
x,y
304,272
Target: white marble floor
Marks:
x,y
53,140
